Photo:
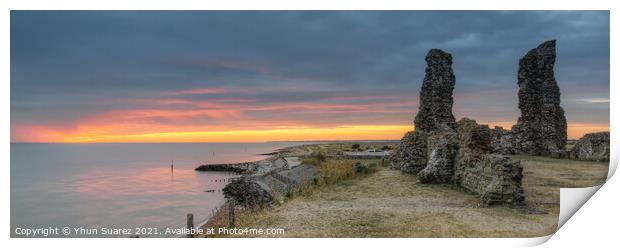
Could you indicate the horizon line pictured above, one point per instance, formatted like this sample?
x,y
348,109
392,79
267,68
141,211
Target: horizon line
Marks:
x,y
211,142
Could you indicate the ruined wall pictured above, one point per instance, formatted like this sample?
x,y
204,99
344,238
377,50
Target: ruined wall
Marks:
x,y
433,120
442,147
442,151
592,146
410,155
496,178
541,128
502,141
435,111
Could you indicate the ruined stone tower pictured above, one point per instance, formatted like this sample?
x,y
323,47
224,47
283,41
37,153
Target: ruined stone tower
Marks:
x,y
435,111
440,150
541,128
429,151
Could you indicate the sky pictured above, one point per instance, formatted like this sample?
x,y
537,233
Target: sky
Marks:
x,y
253,76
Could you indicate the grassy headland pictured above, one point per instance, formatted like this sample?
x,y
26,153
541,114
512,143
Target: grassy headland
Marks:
x,y
379,202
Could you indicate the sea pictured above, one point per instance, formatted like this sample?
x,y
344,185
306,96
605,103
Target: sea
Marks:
x,y
111,187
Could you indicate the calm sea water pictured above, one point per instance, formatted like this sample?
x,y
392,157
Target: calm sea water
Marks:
x,y
120,185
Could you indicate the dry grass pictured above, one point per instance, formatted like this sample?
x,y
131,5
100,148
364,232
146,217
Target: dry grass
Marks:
x,y
336,149
390,204
543,177
332,171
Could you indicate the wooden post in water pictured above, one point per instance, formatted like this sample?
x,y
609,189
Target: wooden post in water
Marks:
x,y
190,224
172,166
231,213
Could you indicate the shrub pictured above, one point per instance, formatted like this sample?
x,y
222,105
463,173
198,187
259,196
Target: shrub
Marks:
x,y
360,168
355,146
334,171
385,148
316,158
320,157
365,169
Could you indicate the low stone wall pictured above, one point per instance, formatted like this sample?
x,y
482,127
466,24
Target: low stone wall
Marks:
x,y
442,148
496,178
410,155
502,141
592,146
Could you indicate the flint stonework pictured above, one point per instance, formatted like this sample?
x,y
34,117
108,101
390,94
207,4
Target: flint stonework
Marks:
x,y
436,100
502,141
541,128
592,146
433,118
410,155
496,178
440,150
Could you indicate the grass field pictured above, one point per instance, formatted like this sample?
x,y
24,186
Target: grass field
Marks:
x,y
388,203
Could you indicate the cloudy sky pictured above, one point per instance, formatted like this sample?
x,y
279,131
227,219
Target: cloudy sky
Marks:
x,y
258,76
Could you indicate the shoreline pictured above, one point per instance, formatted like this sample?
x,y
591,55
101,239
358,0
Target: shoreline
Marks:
x,y
248,167
219,216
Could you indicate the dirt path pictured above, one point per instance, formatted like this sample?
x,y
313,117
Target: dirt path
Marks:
x,y
390,204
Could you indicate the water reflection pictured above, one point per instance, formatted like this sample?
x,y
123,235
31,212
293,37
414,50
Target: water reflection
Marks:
x,y
138,197
119,185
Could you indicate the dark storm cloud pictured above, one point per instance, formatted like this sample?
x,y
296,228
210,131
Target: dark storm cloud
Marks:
x,y
66,65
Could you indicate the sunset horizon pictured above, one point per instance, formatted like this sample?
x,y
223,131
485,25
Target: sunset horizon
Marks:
x,y
302,124
343,133
126,77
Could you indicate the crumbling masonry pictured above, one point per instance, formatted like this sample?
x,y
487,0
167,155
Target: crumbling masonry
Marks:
x,y
442,151
541,129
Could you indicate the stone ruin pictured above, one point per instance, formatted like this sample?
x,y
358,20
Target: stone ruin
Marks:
x,y
495,177
435,111
592,146
435,121
470,155
435,125
440,150
429,151
541,128
410,155
502,141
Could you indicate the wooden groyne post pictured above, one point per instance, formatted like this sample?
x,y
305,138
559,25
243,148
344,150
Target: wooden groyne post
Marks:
x,y
231,213
190,224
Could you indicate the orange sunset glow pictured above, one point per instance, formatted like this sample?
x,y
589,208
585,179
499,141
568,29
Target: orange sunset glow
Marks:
x,y
169,117
353,132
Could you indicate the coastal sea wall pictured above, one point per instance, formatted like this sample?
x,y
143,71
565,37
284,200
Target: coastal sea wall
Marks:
x,y
234,167
265,180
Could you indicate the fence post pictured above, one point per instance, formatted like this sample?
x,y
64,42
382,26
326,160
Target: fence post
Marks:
x,y
231,212
190,224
